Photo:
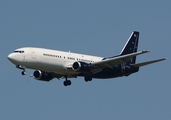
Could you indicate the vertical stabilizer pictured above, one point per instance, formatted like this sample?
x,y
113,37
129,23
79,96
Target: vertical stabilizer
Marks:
x,y
131,46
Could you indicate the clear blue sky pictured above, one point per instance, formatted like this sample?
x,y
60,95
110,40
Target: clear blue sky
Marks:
x,y
91,27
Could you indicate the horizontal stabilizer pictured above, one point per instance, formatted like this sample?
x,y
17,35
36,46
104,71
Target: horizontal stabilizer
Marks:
x,y
147,63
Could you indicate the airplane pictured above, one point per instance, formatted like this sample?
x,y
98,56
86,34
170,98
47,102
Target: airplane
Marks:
x,y
49,64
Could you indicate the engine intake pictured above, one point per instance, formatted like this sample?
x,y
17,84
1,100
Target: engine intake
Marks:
x,y
81,67
41,75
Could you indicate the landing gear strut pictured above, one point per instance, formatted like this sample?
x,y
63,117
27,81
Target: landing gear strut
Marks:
x,y
67,82
22,68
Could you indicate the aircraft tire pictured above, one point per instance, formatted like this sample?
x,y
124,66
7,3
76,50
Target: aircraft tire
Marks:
x,y
88,78
67,83
23,72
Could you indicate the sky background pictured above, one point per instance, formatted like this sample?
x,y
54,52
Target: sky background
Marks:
x,y
95,27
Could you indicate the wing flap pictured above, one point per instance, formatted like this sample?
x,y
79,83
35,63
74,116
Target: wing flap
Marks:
x,y
147,63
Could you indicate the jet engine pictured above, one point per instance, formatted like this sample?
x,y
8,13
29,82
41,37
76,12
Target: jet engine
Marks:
x,y
81,67
41,75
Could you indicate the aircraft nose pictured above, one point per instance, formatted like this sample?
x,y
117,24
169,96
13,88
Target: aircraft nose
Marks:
x,y
10,57
15,58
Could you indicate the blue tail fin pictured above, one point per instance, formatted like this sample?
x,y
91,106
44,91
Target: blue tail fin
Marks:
x,y
131,46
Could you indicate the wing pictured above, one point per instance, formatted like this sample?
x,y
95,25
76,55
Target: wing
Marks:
x,y
58,75
110,62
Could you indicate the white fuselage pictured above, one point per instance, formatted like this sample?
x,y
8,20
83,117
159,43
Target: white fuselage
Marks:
x,y
49,60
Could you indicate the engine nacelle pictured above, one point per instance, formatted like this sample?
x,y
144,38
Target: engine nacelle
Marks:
x,y
81,67
41,75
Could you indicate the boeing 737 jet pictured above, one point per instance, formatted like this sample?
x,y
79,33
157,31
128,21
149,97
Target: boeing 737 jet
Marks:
x,y
49,64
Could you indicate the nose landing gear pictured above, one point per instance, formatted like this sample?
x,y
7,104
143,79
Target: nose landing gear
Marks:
x,y
22,68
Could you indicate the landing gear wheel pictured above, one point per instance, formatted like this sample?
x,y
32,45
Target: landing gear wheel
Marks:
x,y
88,78
23,72
67,83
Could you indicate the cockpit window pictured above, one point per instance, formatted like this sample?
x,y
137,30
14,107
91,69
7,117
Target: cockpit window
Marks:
x,y
18,51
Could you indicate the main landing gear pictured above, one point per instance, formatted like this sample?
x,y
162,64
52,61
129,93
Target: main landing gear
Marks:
x,y
67,82
88,78
22,68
